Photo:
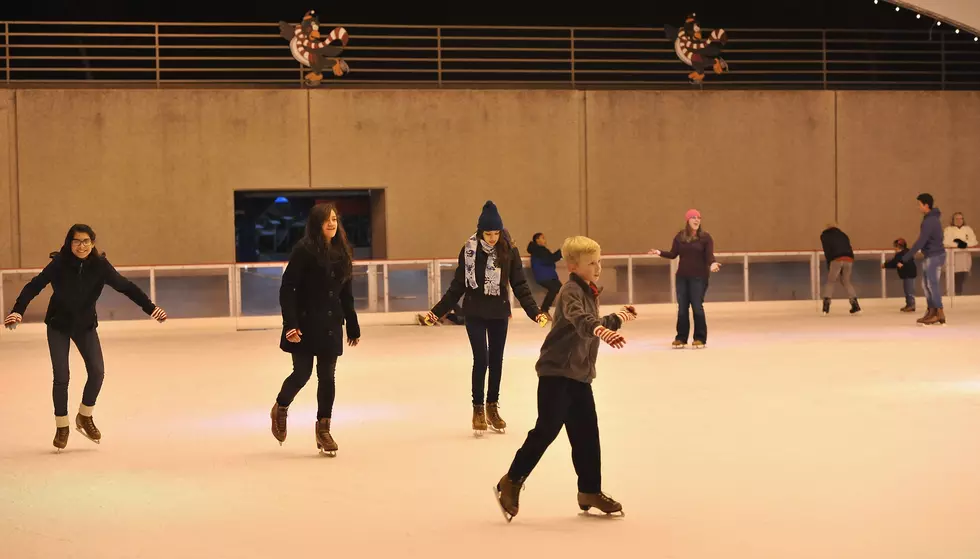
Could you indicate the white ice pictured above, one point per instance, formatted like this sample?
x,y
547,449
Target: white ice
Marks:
x,y
791,436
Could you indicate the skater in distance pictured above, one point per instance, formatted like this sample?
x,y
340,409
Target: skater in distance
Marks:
x,y
316,300
930,242
840,265
696,250
488,263
566,368
543,267
77,274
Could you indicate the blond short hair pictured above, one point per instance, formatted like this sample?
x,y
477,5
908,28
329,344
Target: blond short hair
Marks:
x,y
574,248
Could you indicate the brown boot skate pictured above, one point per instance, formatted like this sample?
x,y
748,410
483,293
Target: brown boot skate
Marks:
x,y
508,494
279,414
62,432
678,344
938,317
324,441
907,308
927,316
493,418
601,501
479,421
86,426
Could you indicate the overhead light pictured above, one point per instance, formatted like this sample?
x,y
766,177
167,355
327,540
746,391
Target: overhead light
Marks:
x,y
918,16
976,39
938,23
896,8
957,31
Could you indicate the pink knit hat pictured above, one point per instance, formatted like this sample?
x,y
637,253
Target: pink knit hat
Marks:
x,y
691,213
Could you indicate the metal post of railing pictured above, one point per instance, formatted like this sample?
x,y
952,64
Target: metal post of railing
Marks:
x,y
385,271
439,55
950,275
6,49
3,307
673,281
884,278
824,50
372,274
942,57
231,291
572,55
815,276
238,289
745,277
629,280
156,50
153,285
436,283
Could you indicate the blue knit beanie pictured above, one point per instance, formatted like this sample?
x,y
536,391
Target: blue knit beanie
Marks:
x,y
490,218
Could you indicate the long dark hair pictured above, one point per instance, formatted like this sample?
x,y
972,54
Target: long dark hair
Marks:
x,y
689,235
337,250
66,247
502,248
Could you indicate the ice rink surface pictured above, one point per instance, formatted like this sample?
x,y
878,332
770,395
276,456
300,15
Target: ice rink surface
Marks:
x,y
791,436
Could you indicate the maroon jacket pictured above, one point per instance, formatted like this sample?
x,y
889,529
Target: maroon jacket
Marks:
x,y
696,256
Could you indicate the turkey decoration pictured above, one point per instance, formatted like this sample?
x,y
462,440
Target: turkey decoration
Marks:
x,y
696,51
311,49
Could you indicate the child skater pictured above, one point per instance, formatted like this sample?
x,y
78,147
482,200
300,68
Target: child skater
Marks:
x,y
316,301
77,275
907,272
566,367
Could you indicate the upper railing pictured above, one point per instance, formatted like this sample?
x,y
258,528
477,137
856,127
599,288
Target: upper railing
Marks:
x,y
253,54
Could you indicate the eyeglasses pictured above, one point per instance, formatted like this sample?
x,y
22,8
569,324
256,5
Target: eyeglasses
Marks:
x,y
81,242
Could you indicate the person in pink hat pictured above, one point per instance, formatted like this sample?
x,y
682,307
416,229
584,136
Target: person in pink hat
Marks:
x,y
696,251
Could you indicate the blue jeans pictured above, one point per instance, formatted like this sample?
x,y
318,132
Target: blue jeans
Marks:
x,y
690,294
908,284
933,267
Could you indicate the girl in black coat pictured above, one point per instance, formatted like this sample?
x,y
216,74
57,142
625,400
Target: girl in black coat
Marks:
x,y
487,264
77,275
316,301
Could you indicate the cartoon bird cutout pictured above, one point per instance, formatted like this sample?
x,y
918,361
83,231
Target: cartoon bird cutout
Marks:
x,y
311,49
696,51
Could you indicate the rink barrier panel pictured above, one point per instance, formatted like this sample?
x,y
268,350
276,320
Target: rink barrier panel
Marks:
x,y
380,298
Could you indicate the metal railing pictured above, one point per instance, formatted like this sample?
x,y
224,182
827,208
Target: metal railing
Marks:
x,y
239,290
235,54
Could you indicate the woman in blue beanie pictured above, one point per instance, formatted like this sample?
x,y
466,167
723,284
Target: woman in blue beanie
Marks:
x,y
487,264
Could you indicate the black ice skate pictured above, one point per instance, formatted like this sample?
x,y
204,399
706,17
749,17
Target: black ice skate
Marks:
x,y
855,307
279,414
826,305
601,501
508,494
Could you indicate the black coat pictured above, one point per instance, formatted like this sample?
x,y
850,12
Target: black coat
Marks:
x,y
315,300
836,244
907,270
478,304
77,285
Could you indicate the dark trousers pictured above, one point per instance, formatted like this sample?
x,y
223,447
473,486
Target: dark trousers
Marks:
x,y
89,346
553,286
569,403
690,295
326,366
959,278
487,339
908,284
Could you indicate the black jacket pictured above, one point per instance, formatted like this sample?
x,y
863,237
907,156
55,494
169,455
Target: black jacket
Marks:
x,y
836,244
908,269
315,299
77,285
478,304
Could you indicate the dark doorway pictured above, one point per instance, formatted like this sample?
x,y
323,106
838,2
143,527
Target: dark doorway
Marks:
x,y
269,222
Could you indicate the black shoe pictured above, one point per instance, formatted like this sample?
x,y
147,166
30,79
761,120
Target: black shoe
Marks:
x,y
855,307
826,305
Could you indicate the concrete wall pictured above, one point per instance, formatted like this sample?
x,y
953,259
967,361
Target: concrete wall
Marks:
x,y
154,171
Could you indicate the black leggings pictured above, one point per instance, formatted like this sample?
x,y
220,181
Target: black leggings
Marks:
x,y
487,339
89,346
553,286
326,366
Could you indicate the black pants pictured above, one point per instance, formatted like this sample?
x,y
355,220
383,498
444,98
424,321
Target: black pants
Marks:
x,y
553,286
690,295
959,278
487,339
89,346
326,366
569,403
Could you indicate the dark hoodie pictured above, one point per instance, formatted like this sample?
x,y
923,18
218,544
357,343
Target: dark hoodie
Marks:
x,y
543,262
930,240
77,285
836,244
908,270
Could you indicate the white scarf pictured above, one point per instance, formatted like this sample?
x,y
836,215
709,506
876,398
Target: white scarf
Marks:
x,y
491,280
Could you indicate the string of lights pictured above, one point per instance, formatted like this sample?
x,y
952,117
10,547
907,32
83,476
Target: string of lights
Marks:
x,y
939,22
